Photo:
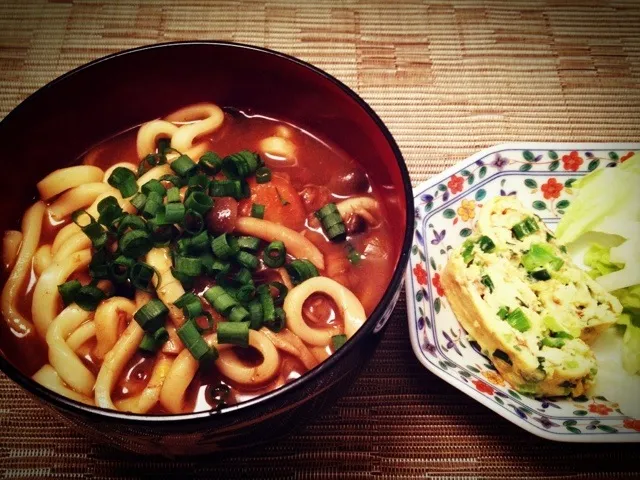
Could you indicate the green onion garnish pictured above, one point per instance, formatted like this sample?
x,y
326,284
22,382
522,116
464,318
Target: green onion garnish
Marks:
x,y
68,291
332,223
238,314
282,292
235,333
173,179
119,268
503,312
151,316
190,304
141,275
153,185
193,341
109,211
250,244
257,210
247,260
518,320
268,307
525,228
243,277
183,166
245,293
99,266
226,188
124,180
223,247
301,270
135,243
220,300
552,342
338,340
502,356
152,342
138,201
153,205
240,165
263,175
275,254
198,183
353,255
189,266
210,163
90,228
542,275
279,321
193,222
88,297
132,222
174,213
467,251
486,244
486,281
255,315
173,195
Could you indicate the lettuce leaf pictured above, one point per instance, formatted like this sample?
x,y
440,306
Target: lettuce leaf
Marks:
x,y
631,349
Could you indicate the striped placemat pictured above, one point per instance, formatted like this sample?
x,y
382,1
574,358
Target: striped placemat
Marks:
x,y
448,78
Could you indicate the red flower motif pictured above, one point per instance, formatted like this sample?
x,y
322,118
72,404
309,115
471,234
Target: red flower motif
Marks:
x,y
551,189
421,275
626,157
483,387
572,161
455,184
600,409
632,423
436,283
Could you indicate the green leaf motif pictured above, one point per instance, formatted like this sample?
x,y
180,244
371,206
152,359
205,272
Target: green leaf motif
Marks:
x,y
553,166
563,204
442,187
428,207
442,365
531,183
470,179
525,167
607,429
613,156
436,305
574,430
464,374
473,369
499,400
539,205
433,263
593,164
480,194
465,232
449,213
580,413
419,296
465,173
601,398
414,250
581,399
569,183
514,394
528,156
552,155
569,423
482,172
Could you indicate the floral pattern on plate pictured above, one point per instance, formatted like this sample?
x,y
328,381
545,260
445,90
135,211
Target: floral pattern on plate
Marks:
x,y
541,176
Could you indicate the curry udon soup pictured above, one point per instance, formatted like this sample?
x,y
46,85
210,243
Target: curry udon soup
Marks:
x,y
194,262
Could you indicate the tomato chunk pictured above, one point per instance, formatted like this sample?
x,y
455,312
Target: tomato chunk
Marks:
x,y
282,204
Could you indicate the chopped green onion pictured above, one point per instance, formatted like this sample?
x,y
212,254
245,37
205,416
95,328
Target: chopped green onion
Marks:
x,y
153,205
518,320
220,300
247,260
243,277
467,251
502,356
565,335
109,211
132,222
199,202
275,254
198,183
119,268
301,270
263,175
332,223
193,222
189,266
226,188
213,266
238,314
257,210
541,256
124,180
195,245
151,316
525,228
174,213
240,165
164,145
139,201
282,292
135,243
68,291
210,163
503,312
245,293
99,266
150,161
486,281
183,166
353,255
542,275
185,280
173,195
190,304
193,341
173,179
88,297
141,275
250,244
255,315
235,333
153,185
338,341
223,247
90,228
552,342
486,244
279,321
268,307
210,323
152,342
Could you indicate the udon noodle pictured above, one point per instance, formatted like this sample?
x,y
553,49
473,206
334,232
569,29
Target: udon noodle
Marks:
x,y
161,277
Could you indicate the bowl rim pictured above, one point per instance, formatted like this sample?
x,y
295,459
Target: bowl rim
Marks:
x,y
72,406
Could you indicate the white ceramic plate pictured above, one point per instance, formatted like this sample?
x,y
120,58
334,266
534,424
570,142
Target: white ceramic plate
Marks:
x,y
541,175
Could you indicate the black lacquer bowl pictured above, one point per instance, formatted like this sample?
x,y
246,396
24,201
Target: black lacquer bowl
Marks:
x,y
96,101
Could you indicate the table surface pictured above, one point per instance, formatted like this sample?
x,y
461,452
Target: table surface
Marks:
x,y
448,79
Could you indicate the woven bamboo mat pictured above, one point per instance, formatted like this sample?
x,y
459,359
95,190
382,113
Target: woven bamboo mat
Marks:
x,y
448,78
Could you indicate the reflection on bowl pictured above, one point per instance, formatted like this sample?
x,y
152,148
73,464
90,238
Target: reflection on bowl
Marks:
x,y
318,144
